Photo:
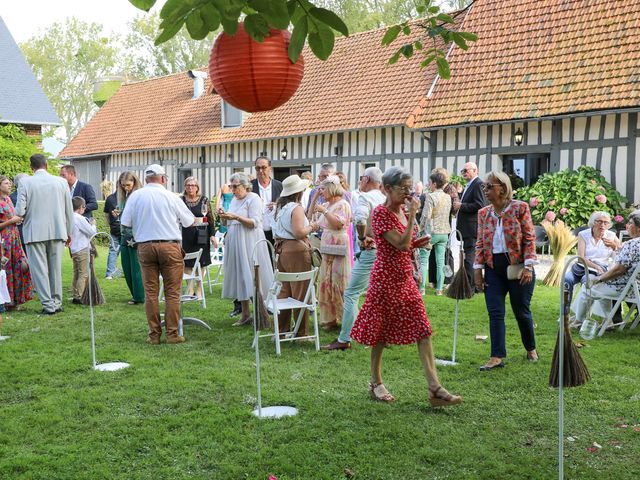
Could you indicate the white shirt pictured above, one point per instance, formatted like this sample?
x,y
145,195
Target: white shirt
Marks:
x,y
81,233
72,189
597,252
367,201
266,196
282,227
154,213
466,188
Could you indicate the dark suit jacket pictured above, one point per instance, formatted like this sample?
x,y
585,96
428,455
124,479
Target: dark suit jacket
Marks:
x,y
276,188
472,199
85,191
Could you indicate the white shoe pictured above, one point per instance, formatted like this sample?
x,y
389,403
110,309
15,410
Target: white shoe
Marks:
x,y
108,278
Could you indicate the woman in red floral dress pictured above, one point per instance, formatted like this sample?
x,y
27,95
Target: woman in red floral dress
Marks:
x,y
18,281
393,312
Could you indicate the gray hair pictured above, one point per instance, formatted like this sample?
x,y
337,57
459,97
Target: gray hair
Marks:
x,y
635,218
374,174
243,179
18,178
394,176
596,215
328,167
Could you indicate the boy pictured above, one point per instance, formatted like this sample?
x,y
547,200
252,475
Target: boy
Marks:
x,y
79,247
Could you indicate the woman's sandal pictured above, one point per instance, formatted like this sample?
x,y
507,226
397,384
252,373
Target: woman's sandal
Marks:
x,y
378,392
444,399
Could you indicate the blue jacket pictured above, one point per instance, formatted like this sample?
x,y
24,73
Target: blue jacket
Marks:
x,y
86,191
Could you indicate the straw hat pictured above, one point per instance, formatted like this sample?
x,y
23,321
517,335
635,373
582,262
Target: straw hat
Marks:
x,y
293,184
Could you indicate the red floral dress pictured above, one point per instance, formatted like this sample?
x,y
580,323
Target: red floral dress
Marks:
x,y
393,311
18,282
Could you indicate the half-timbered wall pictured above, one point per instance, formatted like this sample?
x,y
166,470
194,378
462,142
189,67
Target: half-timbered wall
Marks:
x,y
606,142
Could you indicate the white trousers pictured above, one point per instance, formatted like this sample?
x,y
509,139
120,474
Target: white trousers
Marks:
x,y
45,263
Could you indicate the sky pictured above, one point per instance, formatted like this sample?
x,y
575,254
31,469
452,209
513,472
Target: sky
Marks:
x,y
26,19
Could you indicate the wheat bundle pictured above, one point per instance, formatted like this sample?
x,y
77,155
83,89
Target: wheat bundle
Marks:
x,y
92,288
562,241
460,288
261,314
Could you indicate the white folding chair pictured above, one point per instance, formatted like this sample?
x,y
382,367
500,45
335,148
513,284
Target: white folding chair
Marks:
x,y
277,305
217,262
630,295
194,278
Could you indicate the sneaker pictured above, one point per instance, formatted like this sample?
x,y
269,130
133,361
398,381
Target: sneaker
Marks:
x,y
108,277
176,339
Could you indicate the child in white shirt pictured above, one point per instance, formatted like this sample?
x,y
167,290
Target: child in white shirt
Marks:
x,y
79,247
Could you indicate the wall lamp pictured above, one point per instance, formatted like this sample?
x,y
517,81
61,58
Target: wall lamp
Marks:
x,y
284,153
518,137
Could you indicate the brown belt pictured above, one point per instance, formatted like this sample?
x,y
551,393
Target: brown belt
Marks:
x,y
159,241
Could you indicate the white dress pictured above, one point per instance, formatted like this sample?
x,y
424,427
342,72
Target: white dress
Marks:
x,y
239,246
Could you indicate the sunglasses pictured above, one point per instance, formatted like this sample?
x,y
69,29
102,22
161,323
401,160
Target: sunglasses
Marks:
x,y
489,186
464,170
235,185
261,168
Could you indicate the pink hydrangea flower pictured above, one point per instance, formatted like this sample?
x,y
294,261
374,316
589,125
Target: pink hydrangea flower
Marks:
x,y
552,202
550,216
601,198
618,218
272,477
533,202
593,182
564,211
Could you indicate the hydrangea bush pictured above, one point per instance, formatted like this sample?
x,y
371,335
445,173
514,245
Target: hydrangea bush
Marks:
x,y
572,196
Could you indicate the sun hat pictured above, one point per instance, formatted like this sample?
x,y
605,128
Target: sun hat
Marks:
x,y
154,170
293,184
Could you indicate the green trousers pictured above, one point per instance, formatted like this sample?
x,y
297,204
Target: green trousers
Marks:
x,y
132,273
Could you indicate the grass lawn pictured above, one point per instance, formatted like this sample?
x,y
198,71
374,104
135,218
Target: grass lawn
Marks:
x,y
184,411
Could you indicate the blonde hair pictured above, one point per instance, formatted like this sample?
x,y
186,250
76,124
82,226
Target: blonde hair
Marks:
x,y
332,188
106,187
444,172
187,180
504,180
127,176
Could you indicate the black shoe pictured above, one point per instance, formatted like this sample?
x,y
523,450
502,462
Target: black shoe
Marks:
x,y
486,368
48,312
236,311
75,301
59,309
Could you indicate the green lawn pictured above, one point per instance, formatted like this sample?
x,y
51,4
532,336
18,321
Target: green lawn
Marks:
x,y
184,411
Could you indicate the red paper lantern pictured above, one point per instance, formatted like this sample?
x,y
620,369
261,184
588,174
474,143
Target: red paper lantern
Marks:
x,y
254,76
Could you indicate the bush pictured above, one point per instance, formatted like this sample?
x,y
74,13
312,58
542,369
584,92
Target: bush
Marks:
x,y
572,196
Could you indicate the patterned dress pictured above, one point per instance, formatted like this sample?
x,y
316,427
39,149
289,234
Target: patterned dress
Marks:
x,y
393,311
18,283
335,270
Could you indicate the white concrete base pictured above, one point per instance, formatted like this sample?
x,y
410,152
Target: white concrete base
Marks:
x,y
275,412
446,363
2,337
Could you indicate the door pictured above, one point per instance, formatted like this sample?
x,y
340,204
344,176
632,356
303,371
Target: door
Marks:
x,y
525,169
280,173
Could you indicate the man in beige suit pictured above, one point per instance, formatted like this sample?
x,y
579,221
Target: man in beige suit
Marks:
x,y
45,205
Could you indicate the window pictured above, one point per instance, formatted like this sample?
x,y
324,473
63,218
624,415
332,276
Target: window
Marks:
x,y
183,174
231,116
525,169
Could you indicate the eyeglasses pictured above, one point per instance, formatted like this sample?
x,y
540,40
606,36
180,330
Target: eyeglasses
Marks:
x,y
489,186
261,168
463,171
602,222
235,185
405,190
363,177
191,185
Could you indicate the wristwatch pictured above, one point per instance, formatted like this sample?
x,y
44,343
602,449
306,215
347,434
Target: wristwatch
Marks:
x,y
529,267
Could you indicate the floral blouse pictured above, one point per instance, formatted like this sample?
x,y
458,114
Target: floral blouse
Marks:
x,y
519,234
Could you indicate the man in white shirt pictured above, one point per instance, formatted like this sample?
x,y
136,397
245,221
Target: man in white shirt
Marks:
x,y
269,190
156,216
370,197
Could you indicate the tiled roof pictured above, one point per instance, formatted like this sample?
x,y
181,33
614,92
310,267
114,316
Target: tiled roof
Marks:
x,y
21,97
355,88
536,58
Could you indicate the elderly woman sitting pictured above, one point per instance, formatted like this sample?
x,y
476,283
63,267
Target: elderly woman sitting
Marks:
x,y
611,282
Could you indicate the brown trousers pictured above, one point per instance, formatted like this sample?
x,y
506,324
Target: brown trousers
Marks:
x,y
80,272
166,259
295,256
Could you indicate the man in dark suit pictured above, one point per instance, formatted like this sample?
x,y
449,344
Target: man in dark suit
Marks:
x,y
269,190
471,200
79,189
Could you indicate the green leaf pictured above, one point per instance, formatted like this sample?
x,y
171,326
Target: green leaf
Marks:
x,y
195,25
210,16
443,17
331,19
406,29
292,5
256,26
321,41
434,9
174,9
274,11
143,4
427,61
407,50
443,68
298,37
395,57
418,45
471,37
391,34
457,38
168,32
421,9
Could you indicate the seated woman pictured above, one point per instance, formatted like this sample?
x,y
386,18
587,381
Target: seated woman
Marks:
x,y
613,281
597,245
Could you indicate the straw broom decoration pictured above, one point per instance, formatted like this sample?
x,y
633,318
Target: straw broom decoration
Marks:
x,y
575,372
562,241
460,288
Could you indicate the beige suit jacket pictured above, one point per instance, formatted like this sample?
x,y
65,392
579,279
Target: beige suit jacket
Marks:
x,y
45,204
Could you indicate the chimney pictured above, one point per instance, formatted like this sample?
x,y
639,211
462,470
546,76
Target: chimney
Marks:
x,y
198,82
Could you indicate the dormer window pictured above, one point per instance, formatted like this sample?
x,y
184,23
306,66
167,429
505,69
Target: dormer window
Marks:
x,y
232,117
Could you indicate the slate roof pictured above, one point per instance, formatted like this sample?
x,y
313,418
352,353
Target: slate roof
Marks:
x,y
355,88
21,97
538,58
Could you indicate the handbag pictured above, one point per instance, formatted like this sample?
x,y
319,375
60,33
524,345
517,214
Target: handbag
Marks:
x,y
514,272
416,266
316,257
331,244
202,235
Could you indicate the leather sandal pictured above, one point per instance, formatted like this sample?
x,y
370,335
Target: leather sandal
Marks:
x,y
378,392
444,398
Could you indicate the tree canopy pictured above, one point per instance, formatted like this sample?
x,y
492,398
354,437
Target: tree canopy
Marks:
x,y
15,149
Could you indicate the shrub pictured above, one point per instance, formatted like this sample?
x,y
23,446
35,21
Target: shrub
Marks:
x,y
572,196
